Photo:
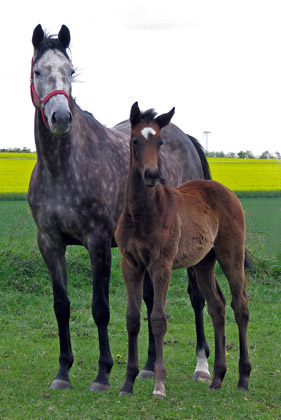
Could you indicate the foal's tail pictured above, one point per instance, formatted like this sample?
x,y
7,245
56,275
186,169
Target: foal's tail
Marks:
x,y
201,153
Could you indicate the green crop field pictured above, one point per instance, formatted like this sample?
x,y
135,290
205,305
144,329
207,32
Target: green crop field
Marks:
x,y
247,177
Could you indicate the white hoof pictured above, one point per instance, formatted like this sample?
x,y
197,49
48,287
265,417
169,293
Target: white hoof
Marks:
x,y
200,376
159,394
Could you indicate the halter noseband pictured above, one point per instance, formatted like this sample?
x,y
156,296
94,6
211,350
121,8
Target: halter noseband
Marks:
x,y
42,102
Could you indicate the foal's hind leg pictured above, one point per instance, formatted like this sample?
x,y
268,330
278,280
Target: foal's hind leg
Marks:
x,y
201,372
205,275
233,268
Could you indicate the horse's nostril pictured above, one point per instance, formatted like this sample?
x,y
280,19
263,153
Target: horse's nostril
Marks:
x,y
54,120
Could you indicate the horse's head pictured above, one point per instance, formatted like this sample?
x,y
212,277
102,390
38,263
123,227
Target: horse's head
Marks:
x,y
146,141
51,78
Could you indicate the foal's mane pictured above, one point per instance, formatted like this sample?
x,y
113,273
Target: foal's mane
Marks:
x,y
148,115
50,43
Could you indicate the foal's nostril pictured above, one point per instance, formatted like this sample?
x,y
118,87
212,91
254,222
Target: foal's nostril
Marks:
x,y
152,175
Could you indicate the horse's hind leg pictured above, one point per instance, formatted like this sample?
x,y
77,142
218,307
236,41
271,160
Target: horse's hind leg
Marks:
x,y
100,256
55,261
205,275
233,268
148,296
201,372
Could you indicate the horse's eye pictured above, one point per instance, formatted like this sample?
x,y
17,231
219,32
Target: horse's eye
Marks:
x,y
135,141
160,142
72,73
37,73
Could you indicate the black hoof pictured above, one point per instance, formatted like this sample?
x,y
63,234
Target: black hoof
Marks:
x,y
123,393
99,387
146,374
60,384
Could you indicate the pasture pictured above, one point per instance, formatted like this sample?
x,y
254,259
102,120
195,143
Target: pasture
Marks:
x,y
29,338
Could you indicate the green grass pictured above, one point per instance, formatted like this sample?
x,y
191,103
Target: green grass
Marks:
x,y
29,341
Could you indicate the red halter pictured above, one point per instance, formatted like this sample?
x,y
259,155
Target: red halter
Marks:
x,y
42,102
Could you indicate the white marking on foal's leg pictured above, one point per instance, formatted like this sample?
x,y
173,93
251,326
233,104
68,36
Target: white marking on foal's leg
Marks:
x,y
146,131
201,373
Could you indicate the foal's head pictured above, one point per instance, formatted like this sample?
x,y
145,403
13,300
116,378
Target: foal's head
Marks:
x,y
51,78
146,141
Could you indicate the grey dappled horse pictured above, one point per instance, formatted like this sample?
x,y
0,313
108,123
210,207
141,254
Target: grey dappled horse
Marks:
x,y
76,196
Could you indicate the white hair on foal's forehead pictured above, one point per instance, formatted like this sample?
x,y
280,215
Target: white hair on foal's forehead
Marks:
x,y
146,131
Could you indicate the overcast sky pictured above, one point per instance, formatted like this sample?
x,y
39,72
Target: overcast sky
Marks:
x,y
217,61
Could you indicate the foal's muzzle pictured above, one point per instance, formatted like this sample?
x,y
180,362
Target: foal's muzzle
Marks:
x,y
151,177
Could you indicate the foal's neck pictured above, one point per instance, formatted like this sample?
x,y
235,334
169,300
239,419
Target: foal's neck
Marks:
x,y
142,202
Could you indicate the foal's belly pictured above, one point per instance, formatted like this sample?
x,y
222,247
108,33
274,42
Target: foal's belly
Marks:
x,y
192,250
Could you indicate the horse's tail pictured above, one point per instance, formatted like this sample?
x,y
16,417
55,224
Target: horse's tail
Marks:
x,y
204,162
207,175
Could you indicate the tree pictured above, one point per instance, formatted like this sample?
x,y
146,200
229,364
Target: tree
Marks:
x,y
266,155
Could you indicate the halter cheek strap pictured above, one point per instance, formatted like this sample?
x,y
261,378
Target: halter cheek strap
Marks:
x,y
42,102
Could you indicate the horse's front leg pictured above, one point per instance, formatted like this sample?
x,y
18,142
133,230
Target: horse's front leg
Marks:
x,y
201,372
161,278
99,247
54,257
133,277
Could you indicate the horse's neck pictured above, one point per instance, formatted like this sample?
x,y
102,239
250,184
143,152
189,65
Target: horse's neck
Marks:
x,y
56,154
52,152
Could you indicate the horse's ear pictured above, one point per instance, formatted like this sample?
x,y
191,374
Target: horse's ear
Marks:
x,y
164,119
64,36
37,37
135,115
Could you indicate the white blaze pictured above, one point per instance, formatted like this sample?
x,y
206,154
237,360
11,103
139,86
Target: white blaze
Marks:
x,y
146,131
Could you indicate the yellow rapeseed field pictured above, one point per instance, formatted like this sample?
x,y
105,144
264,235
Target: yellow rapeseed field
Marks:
x,y
247,174
15,171
236,174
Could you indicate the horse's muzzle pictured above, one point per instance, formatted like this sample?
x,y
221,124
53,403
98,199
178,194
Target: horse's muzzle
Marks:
x,y
61,121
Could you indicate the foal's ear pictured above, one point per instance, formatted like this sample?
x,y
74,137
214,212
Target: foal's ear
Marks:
x,y
164,119
64,36
37,37
135,115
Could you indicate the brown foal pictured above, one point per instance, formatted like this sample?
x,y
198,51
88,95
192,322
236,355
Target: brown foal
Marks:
x,y
162,228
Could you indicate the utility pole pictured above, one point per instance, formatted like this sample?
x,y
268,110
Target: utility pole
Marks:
x,y
206,133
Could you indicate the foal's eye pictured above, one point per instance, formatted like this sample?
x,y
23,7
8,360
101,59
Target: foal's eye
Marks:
x,y
37,73
73,72
135,141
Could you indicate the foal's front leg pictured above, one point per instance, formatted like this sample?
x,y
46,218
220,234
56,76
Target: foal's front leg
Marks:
x,y
54,257
161,279
134,282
